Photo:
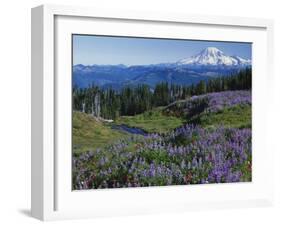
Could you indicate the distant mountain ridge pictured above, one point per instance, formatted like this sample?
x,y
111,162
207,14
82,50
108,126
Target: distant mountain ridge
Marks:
x,y
210,62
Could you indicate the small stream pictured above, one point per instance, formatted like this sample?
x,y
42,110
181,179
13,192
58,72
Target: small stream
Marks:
x,y
130,130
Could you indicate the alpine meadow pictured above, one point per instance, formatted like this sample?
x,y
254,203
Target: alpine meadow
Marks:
x,y
157,112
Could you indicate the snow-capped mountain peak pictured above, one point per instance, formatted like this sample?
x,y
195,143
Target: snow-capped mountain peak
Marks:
x,y
214,57
211,51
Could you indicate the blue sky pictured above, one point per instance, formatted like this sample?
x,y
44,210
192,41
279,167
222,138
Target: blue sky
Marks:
x,y
90,49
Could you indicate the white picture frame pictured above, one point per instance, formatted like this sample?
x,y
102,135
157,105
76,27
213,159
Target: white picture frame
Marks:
x,y
52,198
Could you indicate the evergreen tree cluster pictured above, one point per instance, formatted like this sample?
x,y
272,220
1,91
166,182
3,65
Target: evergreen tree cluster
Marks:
x,y
131,100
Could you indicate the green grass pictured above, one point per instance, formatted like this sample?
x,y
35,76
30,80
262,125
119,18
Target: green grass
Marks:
x,y
236,117
153,121
89,134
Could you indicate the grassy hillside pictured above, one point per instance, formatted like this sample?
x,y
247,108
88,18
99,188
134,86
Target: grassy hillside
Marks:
x,y
153,121
229,109
238,116
89,134
214,110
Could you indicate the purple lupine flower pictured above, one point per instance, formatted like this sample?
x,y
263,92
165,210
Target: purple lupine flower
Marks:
x,y
210,153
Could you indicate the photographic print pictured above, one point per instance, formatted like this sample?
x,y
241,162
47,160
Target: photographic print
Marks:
x,y
157,112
